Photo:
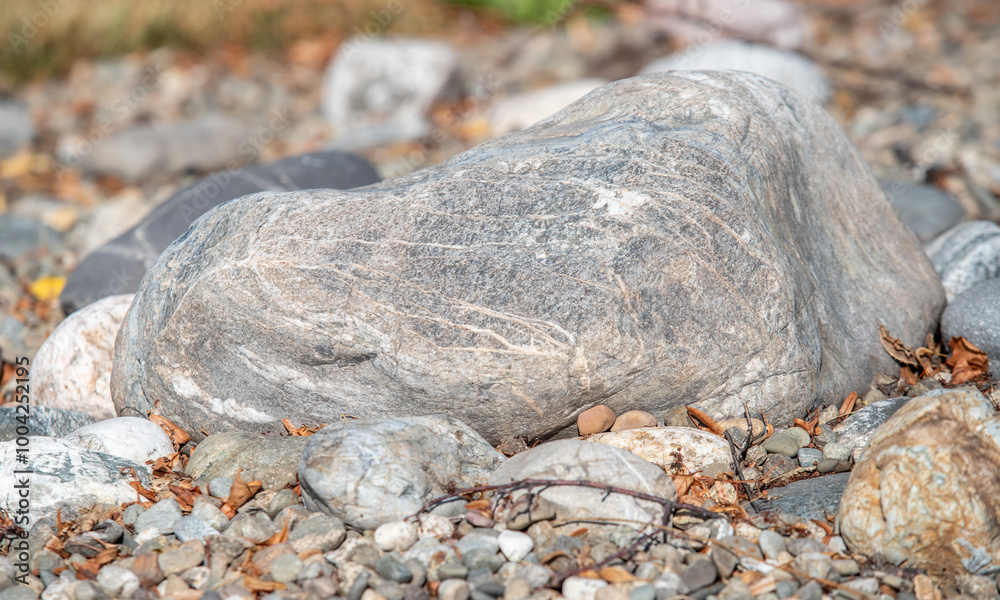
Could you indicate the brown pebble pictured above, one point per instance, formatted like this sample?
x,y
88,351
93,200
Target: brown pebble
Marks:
x,y
147,569
634,419
595,420
474,517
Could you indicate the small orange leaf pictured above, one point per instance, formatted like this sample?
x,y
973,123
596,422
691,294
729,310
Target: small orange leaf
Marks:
x,y
967,362
177,435
240,492
615,574
848,404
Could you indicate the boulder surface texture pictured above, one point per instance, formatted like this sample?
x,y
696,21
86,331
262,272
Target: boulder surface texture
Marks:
x,y
706,238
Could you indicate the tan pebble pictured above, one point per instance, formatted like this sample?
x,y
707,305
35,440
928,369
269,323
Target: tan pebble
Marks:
x,y
757,424
595,420
634,419
924,588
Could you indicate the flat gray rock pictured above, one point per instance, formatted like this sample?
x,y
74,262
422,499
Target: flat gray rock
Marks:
x,y
975,315
578,460
271,459
373,471
927,210
689,238
64,476
813,498
965,255
118,266
857,429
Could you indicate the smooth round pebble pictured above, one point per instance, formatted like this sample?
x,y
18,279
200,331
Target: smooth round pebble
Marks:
x,y
643,592
799,435
395,536
389,568
453,589
286,568
515,545
595,420
771,543
808,457
782,443
190,527
117,581
285,497
634,419
581,588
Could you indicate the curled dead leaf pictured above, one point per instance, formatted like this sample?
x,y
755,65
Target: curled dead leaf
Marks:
x,y
848,404
707,421
241,491
896,348
177,435
967,362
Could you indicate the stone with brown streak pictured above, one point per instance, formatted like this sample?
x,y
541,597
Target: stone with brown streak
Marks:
x,y
926,491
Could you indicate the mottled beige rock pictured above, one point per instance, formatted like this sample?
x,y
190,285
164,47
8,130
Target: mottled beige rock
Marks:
x,y
634,419
72,369
671,447
595,420
926,491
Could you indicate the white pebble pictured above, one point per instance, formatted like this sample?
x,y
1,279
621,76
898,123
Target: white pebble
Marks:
x,y
515,545
435,526
581,588
397,535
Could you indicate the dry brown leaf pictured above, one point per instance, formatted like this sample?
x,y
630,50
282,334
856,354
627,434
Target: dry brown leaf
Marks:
x,y
705,420
177,435
278,538
253,584
87,570
848,404
616,574
896,348
241,491
185,497
907,375
967,362
480,504
579,532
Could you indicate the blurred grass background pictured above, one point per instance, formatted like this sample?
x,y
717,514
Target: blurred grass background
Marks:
x,y
42,38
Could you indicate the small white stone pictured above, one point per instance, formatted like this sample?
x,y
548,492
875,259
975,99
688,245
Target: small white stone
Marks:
x,y
132,438
117,581
453,589
396,535
435,526
581,588
515,545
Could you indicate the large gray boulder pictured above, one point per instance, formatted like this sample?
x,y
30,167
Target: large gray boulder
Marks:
x,y
701,238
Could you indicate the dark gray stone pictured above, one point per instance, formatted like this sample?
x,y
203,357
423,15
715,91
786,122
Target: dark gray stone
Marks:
x,y
975,316
927,210
699,574
813,498
42,420
782,443
707,238
390,568
965,255
118,266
